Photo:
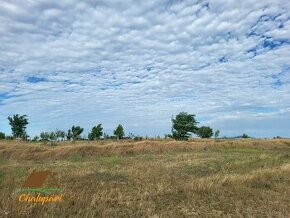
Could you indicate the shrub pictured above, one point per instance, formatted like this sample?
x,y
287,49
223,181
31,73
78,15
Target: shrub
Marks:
x,y
2,135
138,138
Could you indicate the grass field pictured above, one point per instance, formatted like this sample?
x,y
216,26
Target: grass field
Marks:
x,y
199,178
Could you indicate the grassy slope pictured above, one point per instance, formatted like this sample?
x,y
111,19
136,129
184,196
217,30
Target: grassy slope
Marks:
x,y
202,178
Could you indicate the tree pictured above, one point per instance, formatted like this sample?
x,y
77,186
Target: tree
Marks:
x,y
205,132
2,135
59,134
183,125
52,137
35,139
25,136
245,136
119,132
18,125
216,134
76,132
69,135
96,133
44,136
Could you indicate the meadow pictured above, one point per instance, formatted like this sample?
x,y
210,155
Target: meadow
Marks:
x,y
152,178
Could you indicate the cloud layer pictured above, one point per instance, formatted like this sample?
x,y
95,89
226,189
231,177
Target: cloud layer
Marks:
x,y
140,62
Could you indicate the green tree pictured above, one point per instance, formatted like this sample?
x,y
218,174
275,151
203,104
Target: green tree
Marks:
x,y
96,133
59,134
18,125
44,136
52,137
25,136
216,134
245,136
35,139
183,125
69,135
205,132
76,132
2,135
119,132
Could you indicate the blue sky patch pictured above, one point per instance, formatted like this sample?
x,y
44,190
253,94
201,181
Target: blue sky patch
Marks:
x,y
223,59
34,79
277,84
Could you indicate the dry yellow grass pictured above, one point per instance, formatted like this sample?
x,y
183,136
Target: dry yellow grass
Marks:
x,y
152,178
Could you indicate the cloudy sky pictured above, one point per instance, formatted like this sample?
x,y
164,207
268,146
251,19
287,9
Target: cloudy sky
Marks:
x,y
140,62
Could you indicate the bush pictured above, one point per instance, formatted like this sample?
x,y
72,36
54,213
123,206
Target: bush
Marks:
x,y
2,135
35,139
9,137
138,138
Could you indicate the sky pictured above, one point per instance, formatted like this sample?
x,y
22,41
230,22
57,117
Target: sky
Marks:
x,y
138,63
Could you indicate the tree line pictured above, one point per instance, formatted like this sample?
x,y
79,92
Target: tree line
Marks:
x,y
183,126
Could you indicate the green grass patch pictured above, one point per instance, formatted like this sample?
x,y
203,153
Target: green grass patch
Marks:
x,y
247,150
110,161
235,164
76,158
209,167
39,190
1,175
